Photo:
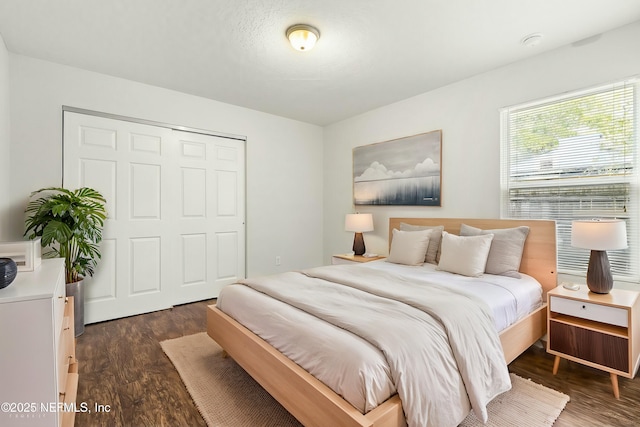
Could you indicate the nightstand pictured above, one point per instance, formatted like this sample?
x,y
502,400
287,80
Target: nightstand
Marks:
x,y
348,259
597,330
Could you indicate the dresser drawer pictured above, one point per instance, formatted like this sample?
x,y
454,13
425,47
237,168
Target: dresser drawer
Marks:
x,y
59,300
66,346
64,356
585,310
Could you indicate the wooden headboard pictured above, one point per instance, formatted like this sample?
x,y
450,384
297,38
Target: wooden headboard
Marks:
x,y
539,258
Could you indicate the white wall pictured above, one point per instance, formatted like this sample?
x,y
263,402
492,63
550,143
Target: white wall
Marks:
x,y
468,114
5,147
284,166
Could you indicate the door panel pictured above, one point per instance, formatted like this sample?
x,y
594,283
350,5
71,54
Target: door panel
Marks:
x,y
145,188
175,231
103,286
228,262
194,259
200,219
194,192
145,265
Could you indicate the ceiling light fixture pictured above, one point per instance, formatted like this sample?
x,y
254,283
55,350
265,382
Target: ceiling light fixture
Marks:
x,y
303,37
532,40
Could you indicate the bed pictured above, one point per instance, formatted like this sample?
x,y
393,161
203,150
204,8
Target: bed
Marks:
x,y
314,403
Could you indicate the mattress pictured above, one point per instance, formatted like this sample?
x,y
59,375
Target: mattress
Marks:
x,y
510,299
349,365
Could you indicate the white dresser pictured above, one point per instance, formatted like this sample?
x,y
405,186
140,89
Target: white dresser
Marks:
x,y
38,368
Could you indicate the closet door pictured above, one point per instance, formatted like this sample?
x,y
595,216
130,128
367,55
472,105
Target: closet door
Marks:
x,y
210,215
159,237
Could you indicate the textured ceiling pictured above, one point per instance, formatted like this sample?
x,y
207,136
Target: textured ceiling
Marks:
x,y
370,53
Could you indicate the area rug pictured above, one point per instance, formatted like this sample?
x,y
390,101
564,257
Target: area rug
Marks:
x,y
227,396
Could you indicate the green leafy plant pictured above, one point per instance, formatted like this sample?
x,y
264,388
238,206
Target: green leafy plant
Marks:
x,y
539,129
70,223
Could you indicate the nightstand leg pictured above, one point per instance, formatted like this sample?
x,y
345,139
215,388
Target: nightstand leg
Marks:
x,y
614,383
556,364
224,354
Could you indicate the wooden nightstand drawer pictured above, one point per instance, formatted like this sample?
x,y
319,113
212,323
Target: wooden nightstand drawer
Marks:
x,y
596,347
586,310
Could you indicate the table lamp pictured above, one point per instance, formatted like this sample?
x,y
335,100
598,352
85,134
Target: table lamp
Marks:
x,y
599,235
358,223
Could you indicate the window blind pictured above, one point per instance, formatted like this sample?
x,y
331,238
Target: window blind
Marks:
x,y
575,157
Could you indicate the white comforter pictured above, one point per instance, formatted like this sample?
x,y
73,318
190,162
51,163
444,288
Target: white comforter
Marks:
x,y
441,346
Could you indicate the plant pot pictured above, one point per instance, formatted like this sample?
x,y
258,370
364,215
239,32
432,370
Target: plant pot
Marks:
x,y
76,290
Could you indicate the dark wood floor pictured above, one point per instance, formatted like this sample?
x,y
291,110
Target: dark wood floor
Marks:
x,y
122,365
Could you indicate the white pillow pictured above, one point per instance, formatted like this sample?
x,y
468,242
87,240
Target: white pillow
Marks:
x,y
434,240
409,247
506,248
466,255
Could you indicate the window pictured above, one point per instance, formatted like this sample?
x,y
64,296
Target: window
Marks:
x,y
575,157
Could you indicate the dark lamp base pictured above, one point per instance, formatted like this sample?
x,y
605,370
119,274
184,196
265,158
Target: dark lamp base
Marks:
x,y
8,271
599,279
358,244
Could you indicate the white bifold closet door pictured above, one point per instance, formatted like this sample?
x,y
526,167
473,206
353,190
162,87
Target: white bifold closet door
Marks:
x,y
175,231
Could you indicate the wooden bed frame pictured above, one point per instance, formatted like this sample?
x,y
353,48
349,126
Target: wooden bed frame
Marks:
x,y
315,404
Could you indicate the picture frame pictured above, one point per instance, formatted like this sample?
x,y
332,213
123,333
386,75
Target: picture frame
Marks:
x,y
405,171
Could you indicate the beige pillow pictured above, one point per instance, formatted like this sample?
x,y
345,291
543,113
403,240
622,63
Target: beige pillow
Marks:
x,y
434,240
506,248
409,247
466,255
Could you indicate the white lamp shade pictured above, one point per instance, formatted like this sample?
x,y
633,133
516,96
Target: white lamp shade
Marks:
x,y
358,223
599,234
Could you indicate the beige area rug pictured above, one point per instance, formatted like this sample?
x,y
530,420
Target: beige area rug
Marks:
x,y
227,396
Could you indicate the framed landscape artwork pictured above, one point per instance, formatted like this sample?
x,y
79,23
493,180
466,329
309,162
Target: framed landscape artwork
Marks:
x,y
404,171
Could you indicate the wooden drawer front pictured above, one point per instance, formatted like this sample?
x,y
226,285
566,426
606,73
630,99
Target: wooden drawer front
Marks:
x,y
603,349
66,346
59,305
65,349
70,397
585,310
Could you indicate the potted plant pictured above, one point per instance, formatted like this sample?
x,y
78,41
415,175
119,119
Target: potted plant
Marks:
x,y
70,224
